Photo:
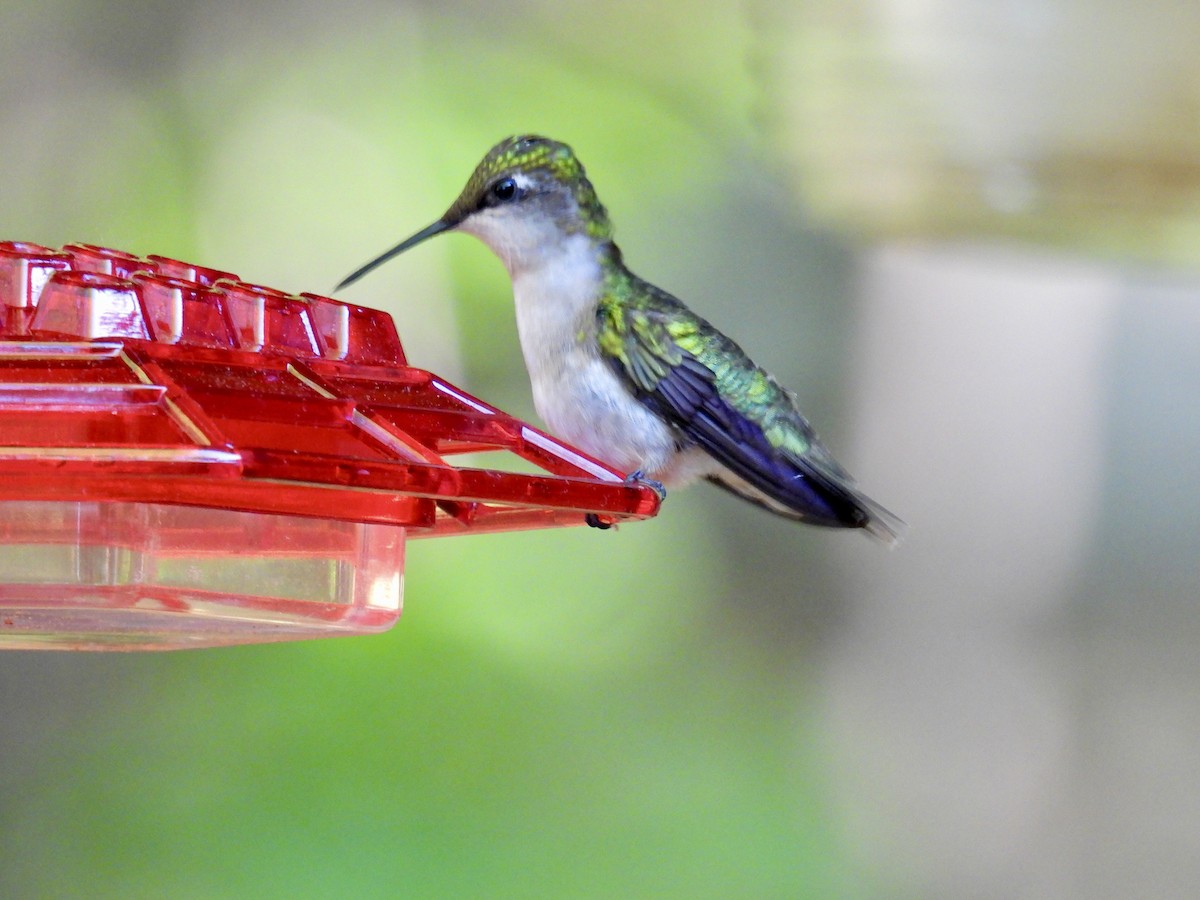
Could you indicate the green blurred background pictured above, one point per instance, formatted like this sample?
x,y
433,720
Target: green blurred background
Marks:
x,y
966,233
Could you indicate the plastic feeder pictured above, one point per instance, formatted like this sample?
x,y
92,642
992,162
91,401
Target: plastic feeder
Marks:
x,y
187,460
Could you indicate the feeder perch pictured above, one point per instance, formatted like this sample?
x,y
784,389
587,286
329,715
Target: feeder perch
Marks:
x,y
192,461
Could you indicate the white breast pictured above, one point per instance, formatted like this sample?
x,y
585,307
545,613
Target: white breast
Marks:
x,y
576,393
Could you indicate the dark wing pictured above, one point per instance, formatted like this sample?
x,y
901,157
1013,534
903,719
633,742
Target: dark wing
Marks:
x,y
702,383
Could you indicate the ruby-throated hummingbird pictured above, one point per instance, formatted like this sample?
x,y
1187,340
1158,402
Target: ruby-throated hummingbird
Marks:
x,y
625,371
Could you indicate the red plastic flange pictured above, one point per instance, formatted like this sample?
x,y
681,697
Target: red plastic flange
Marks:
x,y
135,389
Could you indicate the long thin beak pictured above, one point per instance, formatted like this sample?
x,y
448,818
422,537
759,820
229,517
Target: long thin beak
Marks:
x,y
436,228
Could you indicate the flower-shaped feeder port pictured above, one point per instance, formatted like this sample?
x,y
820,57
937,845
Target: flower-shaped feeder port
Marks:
x,y
192,461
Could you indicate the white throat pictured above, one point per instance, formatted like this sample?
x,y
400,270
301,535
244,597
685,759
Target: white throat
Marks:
x,y
556,293
556,279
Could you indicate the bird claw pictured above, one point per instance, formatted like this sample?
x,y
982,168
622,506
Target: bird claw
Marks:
x,y
594,520
639,477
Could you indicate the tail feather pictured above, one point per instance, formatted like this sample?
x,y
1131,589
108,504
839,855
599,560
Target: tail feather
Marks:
x,y
882,524
876,520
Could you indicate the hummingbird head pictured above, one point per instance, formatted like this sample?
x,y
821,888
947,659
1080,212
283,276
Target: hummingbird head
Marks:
x,y
526,196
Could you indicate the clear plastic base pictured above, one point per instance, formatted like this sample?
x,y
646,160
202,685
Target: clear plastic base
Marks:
x,y
142,576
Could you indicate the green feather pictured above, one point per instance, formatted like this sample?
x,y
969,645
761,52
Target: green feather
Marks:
x,y
647,332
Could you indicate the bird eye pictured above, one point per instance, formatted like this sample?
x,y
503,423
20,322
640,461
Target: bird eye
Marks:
x,y
504,190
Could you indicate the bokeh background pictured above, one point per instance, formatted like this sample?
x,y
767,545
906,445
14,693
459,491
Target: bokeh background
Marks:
x,y
966,232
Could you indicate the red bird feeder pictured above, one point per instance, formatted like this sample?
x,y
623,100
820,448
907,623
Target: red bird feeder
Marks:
x,y
192,461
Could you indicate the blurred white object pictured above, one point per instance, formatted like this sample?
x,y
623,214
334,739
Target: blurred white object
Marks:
x,y
1060,121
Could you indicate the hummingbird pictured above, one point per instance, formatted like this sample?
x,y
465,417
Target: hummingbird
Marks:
x,y
624,370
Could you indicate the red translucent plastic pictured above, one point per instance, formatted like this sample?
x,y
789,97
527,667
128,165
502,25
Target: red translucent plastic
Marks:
x,y
159,418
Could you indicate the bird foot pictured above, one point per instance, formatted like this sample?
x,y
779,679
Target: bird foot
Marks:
x,y
639,477
594,520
